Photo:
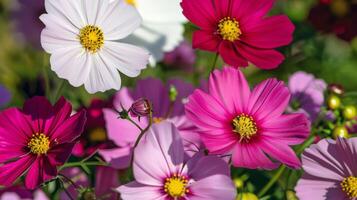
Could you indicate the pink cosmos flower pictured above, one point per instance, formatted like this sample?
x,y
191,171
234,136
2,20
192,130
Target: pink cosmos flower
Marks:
x,y
239,30
20,193
37,139
161,171
330,171
247,124
124,133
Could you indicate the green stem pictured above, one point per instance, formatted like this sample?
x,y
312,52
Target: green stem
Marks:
x,y
143,131
58,91
80,164
282,168
135,124
214,63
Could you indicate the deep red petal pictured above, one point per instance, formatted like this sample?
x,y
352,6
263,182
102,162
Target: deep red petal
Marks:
x,y
200,13
231,56
205,40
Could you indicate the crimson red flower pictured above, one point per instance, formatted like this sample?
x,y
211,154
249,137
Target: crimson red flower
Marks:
x,y
239,31
37,139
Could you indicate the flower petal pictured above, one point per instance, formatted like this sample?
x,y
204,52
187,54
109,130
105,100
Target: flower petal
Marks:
x,y
39,172
135,190
205,40
200,12
13,170
118,158
231,55
164,145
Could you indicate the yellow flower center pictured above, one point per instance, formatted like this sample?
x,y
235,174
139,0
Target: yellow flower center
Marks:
x,y
349,186
229,29
245,126
176,186
157,120
97,135
39,144
91,38
131,2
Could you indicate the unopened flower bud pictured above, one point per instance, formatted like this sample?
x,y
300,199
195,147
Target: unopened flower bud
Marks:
x,y
87,194
290,195
340,131
173,93
349,112
333,102
336,89
140,108
238,182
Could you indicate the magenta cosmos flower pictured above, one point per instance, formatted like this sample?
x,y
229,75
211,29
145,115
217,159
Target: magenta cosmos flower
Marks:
x,y
239,31
37,139
247,124
330,171
124,133
166,175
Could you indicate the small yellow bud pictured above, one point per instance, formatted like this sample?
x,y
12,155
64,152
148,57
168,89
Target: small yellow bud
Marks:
x,y
349,112
340,131
247,196
333,102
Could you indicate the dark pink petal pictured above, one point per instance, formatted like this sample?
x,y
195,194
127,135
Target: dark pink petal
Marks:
x,y
62,110
213,188
15,128
135,190
291,129
106,180
13,170
222,8
269,99
123,98
251,10
40,172
231,56
206,112
40,112
231,87
269,33
251,156
205,40
280,152
219,141
200,12
59,154
262,58
70,129
164,145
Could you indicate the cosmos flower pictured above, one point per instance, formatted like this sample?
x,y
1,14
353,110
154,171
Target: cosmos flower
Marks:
x,y
307,94
247,124
330,170
124,134
36,140
239,30
182,57
5,96
83,40
26,18
106,180
162,27
166,174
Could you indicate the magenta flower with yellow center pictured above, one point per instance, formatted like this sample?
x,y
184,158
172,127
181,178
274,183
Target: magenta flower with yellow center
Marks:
x,y
36,140
250,125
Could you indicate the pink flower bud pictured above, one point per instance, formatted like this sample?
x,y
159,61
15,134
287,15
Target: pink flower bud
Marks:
x,y
140,108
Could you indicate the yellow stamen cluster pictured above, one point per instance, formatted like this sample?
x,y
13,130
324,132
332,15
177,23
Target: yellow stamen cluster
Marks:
x,y
39,144
91,38
245,126
97,135
229,29
157,120
131,2
349,186
176,186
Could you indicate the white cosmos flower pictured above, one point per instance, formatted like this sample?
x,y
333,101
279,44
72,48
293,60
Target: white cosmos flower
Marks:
x,y
82,36
162,28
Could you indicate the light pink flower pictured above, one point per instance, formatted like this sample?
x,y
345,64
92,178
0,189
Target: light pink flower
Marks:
x,y
124,133
36,140
162,173
247,124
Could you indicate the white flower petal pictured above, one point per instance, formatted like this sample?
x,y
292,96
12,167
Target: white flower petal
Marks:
x,y
71,10
102,77
161,11
119,21
71,63
128,59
